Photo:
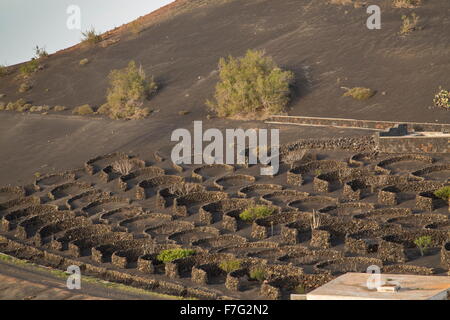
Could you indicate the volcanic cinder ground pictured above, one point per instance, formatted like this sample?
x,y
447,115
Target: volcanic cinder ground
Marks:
x,y
327,46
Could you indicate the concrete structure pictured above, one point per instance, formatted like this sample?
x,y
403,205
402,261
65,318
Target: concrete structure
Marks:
x,y
353,286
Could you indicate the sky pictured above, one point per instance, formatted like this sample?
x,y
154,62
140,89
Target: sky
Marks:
x,y
53,24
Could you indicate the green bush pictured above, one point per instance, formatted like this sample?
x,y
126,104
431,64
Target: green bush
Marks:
x,y
83,110
359,93
170,255
251,85
258,274
24,108
409,24
230,265
442,99
91,37
423,243
29,67
443,193
129,88
257,212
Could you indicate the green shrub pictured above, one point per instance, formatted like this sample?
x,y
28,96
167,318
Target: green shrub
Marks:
x,y
251,85
423,243
84,61
59,108
24,108
3,70
300,289
83,110
15,106
442,99
29,67
359,93
409,24
170,255
443,193
24,87
407,3
129,88
10,106
91,36
39,109
257,212
230,265
258,274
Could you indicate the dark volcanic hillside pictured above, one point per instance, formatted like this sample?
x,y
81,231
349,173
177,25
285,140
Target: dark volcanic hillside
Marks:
x,y
326,45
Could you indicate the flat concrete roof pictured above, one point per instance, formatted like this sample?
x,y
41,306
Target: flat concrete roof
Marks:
x,y
353,286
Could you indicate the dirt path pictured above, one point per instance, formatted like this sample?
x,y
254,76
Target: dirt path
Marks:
x,y
26,282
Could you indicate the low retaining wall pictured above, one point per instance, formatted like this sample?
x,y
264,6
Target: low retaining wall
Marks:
x,y
358,124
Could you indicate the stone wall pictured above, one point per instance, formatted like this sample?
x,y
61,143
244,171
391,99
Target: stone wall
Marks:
x,y
413,144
